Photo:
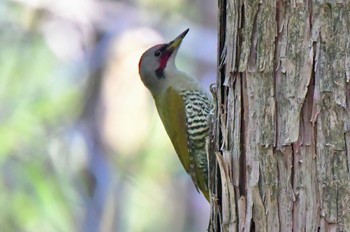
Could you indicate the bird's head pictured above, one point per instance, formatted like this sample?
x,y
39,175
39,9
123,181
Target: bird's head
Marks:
x,y
158,61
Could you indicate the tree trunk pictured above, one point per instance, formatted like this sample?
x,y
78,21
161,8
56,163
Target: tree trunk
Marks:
x,y
281,125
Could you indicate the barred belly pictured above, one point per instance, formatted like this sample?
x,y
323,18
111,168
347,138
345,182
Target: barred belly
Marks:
x,y
197,109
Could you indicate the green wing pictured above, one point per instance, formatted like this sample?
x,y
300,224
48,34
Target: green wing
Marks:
x,y
171,109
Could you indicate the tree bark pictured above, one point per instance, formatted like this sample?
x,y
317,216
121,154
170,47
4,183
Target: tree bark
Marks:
x,y
280,143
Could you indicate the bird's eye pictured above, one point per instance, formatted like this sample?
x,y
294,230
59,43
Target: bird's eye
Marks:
x,y
157,53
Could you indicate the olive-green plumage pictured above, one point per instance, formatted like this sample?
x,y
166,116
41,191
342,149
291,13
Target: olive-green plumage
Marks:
x,y
183,107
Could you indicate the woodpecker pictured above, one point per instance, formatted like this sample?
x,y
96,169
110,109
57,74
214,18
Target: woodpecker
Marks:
x,y
183,106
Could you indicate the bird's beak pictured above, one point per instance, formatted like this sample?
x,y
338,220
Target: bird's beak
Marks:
x,y
173,45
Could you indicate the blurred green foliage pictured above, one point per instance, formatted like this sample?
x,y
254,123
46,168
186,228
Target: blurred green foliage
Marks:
x,y
35,105
49,178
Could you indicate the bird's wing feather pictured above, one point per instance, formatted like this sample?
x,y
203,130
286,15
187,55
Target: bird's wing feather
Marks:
x,y
172,112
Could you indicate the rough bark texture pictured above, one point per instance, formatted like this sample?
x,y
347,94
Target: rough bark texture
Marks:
x,y
282,118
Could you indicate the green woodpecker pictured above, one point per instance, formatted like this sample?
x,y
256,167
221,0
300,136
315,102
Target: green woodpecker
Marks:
x,y
182,105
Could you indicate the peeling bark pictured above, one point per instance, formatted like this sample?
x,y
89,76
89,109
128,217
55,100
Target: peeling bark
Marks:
x,y
282,121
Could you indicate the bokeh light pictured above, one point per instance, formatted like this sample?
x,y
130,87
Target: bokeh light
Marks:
x,y
81,145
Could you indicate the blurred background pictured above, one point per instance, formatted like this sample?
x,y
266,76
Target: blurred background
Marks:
x,y
81,145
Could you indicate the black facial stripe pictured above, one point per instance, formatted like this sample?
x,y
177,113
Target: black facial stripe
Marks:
x,y
160,73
